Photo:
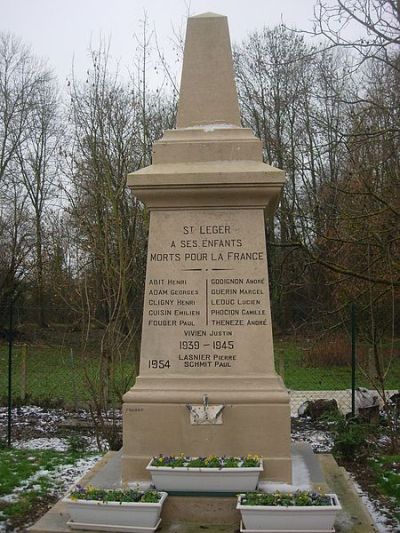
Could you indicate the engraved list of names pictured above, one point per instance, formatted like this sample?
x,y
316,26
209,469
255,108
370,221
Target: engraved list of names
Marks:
x,y
206,300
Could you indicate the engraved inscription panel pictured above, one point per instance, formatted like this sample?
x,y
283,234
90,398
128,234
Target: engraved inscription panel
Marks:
x,y
206,309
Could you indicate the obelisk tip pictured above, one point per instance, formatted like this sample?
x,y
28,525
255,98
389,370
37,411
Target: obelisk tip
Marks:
x,y
208,91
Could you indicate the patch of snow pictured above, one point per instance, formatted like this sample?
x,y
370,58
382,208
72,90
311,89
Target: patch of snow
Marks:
x,y
43,443
141,485
378,515
320,441
70,475
300,477
384,440
60,478
36,419
8,498
57,444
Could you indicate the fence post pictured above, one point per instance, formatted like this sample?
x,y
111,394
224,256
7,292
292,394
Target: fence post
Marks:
x,y
353,359
372,371
73,379
10,350
23,372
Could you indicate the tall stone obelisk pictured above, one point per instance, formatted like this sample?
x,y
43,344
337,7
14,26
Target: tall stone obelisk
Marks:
x,y
207,383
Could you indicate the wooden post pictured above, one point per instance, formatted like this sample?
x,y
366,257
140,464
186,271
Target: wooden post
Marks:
x,y
372,372
23,372
72,359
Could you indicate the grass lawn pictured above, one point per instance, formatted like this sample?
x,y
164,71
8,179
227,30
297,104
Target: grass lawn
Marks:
x,y
387,472
297,376
53,374
30,481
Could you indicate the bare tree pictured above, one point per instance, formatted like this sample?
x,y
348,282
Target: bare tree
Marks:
x,y
291,96
38,158
110,225
370,28
21,76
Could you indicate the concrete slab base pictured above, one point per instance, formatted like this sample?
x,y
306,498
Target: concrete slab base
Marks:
x,y
190,514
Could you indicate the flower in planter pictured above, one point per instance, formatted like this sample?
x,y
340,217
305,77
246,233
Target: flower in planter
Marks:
x,y
286,499
251,460
298,511
113,509
170,460
232,462
211,461
90,493
212,473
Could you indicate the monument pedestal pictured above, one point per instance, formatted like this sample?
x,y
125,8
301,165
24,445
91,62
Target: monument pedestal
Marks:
x,y
207,382
250,422
207,324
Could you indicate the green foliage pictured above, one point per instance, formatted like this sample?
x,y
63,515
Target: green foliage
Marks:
x,y
251,461
212,461
171,461
351,437
151,496
286,499
90,493
18,465
299,374
387,471
76,443
231,462
30,469
21,509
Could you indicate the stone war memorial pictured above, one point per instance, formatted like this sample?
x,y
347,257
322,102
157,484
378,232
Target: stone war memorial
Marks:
x,y
207,383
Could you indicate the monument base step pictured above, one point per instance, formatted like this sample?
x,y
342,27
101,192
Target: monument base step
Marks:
x,y
204,511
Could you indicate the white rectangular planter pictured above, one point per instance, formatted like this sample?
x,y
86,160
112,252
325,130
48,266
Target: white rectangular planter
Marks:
x,y
114,516
292,518
205,479
244,530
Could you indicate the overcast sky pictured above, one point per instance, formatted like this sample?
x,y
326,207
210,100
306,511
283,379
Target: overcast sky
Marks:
x,y
62,30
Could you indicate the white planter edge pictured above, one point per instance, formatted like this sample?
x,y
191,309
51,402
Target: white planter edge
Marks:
x,y
107,527
151,468
139,515
205,479
244,530
289,518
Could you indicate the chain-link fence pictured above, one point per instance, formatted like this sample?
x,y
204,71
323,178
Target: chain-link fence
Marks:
x,y
323,368
57,376
50,368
